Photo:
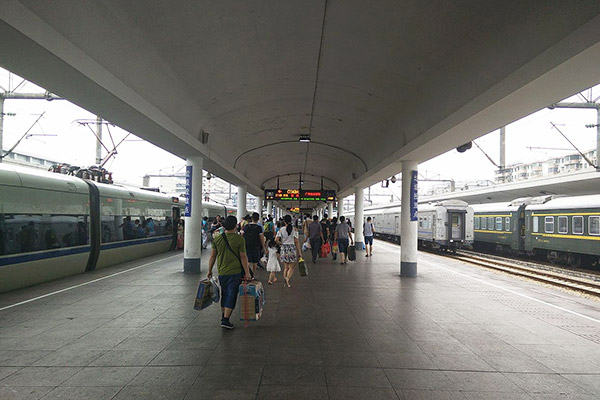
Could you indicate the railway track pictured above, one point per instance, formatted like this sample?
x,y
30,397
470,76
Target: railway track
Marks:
x,y
586,283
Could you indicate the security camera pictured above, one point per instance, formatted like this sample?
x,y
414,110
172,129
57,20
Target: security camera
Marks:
x,y
208,176
393,179
464,147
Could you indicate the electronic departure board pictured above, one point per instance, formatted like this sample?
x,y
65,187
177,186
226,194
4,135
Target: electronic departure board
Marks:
x,y
300,195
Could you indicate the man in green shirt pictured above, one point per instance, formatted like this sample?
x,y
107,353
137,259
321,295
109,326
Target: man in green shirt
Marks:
x,y
229,250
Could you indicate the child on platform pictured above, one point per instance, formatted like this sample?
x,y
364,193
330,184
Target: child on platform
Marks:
x,y
273,261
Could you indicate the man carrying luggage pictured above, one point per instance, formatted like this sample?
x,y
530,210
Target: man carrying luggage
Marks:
x,y
229,249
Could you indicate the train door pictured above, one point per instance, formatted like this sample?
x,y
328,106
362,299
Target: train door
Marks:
x,y
456,228
397,226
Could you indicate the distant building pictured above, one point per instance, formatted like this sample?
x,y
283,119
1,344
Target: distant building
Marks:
x,y
553,166
28,160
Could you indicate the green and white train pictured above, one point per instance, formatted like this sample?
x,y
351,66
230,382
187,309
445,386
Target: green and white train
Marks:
x,y
563,230
54,225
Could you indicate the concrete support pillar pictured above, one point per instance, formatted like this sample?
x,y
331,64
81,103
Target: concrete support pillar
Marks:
x,y
259,204
241,203
270,208
330,209
358,218
192,245
409,220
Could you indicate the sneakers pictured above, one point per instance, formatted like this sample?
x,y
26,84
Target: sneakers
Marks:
x,y
226,324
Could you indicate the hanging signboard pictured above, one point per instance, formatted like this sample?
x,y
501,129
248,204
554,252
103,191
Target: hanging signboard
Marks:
x,y
300,195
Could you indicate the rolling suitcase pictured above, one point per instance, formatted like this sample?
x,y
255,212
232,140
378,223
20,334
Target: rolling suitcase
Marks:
x,y
351,253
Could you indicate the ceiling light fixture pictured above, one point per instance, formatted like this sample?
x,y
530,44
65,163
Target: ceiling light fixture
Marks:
x,y
304,139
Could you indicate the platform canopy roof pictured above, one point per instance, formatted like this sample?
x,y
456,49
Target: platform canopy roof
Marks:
x,y
372,83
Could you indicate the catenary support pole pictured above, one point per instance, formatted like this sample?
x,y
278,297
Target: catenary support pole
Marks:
x,y
503,147
408,219
98,141
192,246
241,203
358,218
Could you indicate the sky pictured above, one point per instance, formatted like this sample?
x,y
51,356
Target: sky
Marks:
x,y
59,135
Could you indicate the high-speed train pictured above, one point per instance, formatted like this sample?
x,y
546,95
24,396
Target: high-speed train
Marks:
x,y
443,225
54,225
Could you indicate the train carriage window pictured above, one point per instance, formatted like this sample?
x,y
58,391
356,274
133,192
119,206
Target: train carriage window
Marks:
x,y
578,225
490,223
536,227
549,224
483,223
498,223
507,224
563,224
25,233
477,223
594,225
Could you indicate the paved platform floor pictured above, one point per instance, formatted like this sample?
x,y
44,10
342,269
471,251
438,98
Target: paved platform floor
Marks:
x,y
355,331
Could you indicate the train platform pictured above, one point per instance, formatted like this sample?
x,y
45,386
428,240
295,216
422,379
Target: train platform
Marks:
x,y
354,331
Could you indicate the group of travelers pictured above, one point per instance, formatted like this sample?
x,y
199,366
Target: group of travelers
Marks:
x,y
238,249
138,229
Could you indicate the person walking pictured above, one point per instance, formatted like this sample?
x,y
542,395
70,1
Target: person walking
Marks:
x,y
332,227
273,261
342,234
368,230
255,241
315,234
229,249
287,238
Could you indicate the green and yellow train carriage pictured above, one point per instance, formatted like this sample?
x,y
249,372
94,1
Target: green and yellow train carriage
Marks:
x,y
566,230
500,226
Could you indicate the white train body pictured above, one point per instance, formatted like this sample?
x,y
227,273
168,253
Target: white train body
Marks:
x,y
445,225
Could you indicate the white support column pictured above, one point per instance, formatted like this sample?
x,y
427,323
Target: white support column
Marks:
x,y
358,219
409,220
241,203
259,203
270,208
192,246
330,209
341,206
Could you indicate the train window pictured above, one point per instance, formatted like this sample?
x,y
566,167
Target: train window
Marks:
x,y
483,223
563,224
535,220
498,223
578,225
490,223
477,223
147,219
549,224
420,222
594,224
507,224
25,233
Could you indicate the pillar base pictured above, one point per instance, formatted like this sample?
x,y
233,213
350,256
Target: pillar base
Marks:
x,y
191,265
360,246
408,269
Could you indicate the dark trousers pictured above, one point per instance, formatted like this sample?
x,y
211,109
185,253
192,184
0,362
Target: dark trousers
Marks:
x,y
315,244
